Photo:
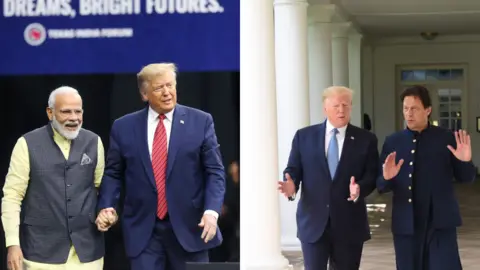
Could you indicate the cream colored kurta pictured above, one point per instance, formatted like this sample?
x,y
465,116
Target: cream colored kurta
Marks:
x,y
14,190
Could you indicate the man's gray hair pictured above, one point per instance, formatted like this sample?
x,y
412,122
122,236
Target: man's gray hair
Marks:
x,y
60,90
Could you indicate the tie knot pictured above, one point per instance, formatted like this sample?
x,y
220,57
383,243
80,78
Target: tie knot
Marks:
x,y
161,117
335,131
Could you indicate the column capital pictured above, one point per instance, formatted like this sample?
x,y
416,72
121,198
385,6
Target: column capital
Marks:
x,y
341,30
321,13
289,2
355,37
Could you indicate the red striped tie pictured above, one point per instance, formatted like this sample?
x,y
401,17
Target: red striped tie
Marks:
x,y
159,164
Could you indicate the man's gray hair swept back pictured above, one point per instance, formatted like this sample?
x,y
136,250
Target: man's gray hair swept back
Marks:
x,y
60,90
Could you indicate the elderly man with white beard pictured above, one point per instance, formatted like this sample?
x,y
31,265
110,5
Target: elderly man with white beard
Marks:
x,y
50,192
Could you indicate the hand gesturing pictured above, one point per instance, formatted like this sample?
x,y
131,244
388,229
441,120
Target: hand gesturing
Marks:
x,y
354,189
464,148
390,168
287,187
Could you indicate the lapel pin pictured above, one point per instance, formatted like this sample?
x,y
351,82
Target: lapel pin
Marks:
x,y
181,122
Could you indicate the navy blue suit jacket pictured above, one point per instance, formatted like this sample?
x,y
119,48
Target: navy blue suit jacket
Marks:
x,y
195,178
438,165
323,199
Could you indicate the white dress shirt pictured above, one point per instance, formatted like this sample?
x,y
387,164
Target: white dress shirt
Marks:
x,y
152,122
340,137
152,126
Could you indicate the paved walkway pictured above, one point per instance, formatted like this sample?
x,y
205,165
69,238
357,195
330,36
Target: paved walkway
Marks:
x,y
378,253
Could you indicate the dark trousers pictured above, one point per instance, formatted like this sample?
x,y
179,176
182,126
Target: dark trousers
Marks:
x,y
115,257
433,249
343,255
164,252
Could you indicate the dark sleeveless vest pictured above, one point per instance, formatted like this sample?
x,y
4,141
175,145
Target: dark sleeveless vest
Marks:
x,y
59,206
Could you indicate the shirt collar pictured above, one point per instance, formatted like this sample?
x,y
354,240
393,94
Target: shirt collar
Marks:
x,y
341,130
416,133
153,115
57,136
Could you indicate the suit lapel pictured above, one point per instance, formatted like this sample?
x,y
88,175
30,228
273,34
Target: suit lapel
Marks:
x,y
176,136
320,137
347,148
143,139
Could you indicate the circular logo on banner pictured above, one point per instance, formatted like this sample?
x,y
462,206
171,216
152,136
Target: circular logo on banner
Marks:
x,y
35,34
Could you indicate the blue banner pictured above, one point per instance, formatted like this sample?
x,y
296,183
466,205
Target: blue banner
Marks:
x,y
118,36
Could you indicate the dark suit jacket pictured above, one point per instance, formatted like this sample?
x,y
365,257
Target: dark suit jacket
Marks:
x,y
195,178
434,165
323,199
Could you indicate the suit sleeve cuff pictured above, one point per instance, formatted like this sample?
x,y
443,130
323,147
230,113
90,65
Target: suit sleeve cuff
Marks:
x,y
211,212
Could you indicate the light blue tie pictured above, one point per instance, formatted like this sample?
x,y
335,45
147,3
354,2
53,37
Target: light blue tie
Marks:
x,y
332,153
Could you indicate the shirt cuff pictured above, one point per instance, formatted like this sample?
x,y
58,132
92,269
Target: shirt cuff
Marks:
x,y
211,212
12,241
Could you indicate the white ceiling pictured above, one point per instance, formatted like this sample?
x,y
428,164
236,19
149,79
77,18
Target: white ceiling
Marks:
x,y
407,17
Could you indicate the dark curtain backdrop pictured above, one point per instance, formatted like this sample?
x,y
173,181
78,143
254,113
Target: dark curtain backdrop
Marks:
x,y
105,98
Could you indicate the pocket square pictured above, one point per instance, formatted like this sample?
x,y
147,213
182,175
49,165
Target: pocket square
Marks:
x,y
85,160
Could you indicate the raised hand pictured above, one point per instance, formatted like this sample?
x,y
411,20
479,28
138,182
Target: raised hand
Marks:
x,y
464,148
287,187
390,167
354,190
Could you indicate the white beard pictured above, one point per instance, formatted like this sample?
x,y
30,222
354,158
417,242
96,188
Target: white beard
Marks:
x,y
68,134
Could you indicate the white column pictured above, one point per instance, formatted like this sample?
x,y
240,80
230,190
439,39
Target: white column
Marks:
x,y
340,54
367,80
355,76
320,57
291,65
260,224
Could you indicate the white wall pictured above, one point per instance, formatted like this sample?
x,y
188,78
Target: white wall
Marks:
x,y
384,55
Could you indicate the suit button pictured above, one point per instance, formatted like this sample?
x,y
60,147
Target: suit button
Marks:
x,y
68,199
413,151
410,175
70,217
410,187
409,200
414,140
411,163
328,205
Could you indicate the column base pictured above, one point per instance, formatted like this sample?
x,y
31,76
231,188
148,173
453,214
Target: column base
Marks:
x,y
291,244
277,263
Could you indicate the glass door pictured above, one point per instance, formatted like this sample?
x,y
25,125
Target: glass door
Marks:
x,y
447,109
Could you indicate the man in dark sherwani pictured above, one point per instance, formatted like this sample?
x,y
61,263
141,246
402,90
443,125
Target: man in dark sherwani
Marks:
x,y
420,165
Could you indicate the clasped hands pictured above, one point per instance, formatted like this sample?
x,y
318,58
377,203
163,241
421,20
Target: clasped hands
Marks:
x,y
108,217
287,188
